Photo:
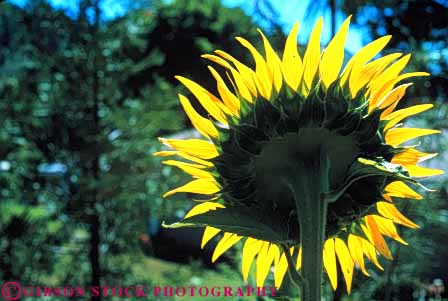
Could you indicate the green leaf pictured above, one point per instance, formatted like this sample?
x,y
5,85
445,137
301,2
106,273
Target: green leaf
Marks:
x,y
238,220
363,168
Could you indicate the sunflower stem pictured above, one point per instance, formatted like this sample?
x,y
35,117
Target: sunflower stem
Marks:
x,y
309,186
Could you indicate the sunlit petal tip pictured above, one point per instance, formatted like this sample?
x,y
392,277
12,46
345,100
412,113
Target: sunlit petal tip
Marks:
x,y
333,55
227,241
208,235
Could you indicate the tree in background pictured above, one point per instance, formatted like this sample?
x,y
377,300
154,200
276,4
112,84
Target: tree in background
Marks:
x,y
82,102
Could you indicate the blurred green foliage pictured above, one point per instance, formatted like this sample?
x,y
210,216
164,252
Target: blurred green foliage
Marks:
x,y
82,103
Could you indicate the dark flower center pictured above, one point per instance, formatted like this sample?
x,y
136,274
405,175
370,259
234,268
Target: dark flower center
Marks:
x,y
274,143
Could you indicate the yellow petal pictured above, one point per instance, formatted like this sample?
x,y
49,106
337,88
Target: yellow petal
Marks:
x,y
387,227
400,190
265,258
261,69
387,86
203,125
202,208
391,99
381,84
209,233
217,60
399,115
291,62
370,71
409,75
230,100
273,62
243,78
241,86
227,241
397,136
376,238
299,259
247,74
333,55
185,156
370,252
281,266
421,172
200,186
354,65
194,147
330,262
389,210
251,248
345,261
356,250
210,102
195,170
412,156
312,56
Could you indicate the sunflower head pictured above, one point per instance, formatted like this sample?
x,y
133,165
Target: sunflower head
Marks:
x,y
295,135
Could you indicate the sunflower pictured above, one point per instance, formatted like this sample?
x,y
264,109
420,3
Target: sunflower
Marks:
x,y
301,159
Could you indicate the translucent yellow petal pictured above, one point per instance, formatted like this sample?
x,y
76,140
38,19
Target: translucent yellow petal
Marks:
x,y
389,210
281,266
329,260
217,60
251,248
345,261
209,233
185,156
261,69
368,52
356,250
230,100
333,56
247,74
370,71
399,115
299,259
388,86
411,156
273,62
401,190
203,125
194,147
421,172
202,208
243,78
387,227
370,252
241,86
200,186
397,136
291,61
227,241
195,170
380,85
312,56
390,100
409,75
210,102
376,238
265,259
